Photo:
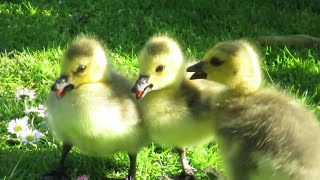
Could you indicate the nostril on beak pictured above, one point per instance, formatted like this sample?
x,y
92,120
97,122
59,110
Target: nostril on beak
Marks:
x,y
133,90
198,66
53,87
62,79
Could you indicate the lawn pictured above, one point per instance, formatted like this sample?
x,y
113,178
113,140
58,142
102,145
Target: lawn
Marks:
x,y
34,33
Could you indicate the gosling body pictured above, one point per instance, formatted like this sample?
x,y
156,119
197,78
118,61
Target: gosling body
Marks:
x,y
98,118
175,117
268,135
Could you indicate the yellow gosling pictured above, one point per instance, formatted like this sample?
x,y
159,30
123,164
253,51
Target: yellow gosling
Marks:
x,y
172,106
91,108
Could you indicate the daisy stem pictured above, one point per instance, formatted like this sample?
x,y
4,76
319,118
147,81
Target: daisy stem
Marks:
x,y
32,120
25,103
15,167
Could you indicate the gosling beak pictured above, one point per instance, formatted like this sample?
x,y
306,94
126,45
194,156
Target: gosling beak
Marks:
x,y
61,86
141,87
198,71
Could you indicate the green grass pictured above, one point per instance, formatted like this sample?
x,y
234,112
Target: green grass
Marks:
x,y
34,33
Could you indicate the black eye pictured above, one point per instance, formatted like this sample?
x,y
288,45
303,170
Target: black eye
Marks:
x,y
216,61
81,68
159,68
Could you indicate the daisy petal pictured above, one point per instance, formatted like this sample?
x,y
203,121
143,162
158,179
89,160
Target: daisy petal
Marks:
x,y
16,126
25,93
31,136
83,177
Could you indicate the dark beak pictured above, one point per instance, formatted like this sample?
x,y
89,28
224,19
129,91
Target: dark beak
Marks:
x,y
198,71
141,87
61,86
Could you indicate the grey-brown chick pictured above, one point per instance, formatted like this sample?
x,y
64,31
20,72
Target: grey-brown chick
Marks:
x,y
263,133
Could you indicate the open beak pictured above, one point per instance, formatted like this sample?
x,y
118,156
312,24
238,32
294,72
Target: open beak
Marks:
x,y
61,86
198,71
141,87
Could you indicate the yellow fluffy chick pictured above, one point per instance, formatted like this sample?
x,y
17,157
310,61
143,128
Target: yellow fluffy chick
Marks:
x,y
172,106
92,107
264,134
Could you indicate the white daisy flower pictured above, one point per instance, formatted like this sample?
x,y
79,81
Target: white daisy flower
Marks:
x,y
16,126
42,107
24,93
41,110
83,177
30,110
42,114
30,136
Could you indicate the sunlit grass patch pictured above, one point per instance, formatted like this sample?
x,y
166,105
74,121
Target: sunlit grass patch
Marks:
x,y
34,33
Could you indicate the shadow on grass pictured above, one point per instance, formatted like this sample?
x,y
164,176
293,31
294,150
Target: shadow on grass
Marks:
x,y
16,164
126,25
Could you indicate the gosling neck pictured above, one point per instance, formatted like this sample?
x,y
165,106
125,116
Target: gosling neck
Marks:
x,y
175,86
179,79
107,75
246,86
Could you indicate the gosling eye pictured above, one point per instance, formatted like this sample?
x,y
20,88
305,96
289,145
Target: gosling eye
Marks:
x,y
216,61
160,68
81,69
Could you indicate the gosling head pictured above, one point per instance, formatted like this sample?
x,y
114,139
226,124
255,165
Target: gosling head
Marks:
x,y
161,65
83,62
233,63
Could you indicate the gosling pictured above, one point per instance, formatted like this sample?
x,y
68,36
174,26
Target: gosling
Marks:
x,y
172,105
263,133
91,107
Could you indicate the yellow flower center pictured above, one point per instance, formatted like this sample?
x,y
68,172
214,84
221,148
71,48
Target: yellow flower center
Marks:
x,y
17,128
30,138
